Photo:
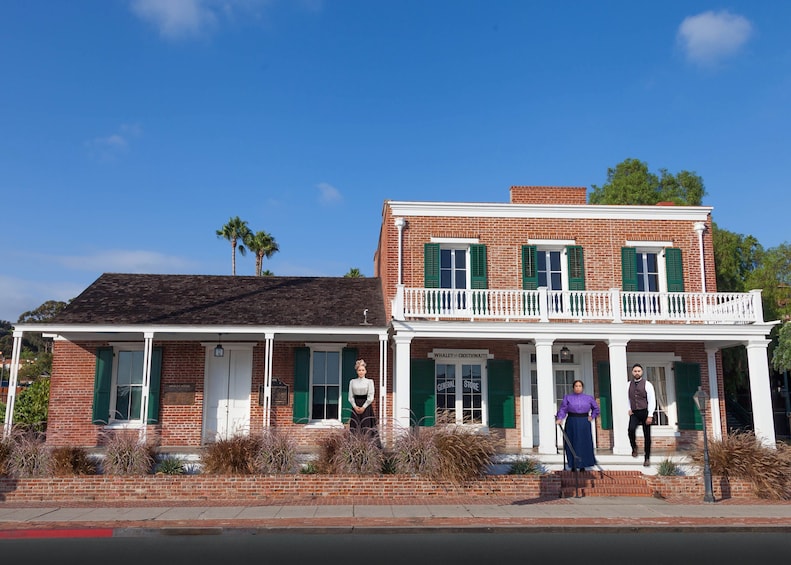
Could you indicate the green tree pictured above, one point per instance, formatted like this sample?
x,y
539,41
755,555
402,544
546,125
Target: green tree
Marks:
x,y
354,273
781,357
630,182
235,230
44,313
773,276
267,273
32,406
263,245
735,257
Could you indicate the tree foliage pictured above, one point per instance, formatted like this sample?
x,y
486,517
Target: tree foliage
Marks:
x,y
735,257
44,313
630,182
264,246
235,230
354,273
32,406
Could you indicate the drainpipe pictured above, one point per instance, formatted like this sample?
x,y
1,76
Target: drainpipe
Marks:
x,y
400,223
700,227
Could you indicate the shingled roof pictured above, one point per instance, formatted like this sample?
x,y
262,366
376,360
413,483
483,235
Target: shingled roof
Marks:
x,y
129,299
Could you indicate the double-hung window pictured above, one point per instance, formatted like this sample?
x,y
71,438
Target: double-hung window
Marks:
x,y
558,266
651,269
118,385
322,372
454,266
325,385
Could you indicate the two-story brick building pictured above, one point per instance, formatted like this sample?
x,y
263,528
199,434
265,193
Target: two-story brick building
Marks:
x,y
480,312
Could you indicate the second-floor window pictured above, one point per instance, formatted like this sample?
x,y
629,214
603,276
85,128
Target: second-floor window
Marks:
x,y
652,270
456,266
553,267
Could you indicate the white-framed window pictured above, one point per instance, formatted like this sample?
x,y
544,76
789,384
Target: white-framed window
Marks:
x,y
650,270
325,383
461,387
658,370
126,392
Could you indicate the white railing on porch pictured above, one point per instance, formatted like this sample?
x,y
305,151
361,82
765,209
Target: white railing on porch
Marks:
x,y
612,305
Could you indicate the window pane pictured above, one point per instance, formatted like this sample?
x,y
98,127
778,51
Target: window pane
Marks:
x,y
461,279
317,409
333,367
122,403
554,260
319,367
461,259
445,258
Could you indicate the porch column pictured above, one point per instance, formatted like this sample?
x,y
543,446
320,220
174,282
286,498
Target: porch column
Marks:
x,y
383,431
547,436
148,339
714,392
269,339
760,391
619,379
12,380
525,397
401,388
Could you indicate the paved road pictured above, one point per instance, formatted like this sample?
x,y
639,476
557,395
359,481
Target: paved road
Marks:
x,y
409,549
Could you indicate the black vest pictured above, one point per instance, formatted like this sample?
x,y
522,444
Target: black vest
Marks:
x,y
638,397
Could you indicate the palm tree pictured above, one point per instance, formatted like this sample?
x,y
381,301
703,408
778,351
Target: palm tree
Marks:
x,y
236,229
354,273
263,245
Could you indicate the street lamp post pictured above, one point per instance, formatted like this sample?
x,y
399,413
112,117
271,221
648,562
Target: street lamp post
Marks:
x,y
701,398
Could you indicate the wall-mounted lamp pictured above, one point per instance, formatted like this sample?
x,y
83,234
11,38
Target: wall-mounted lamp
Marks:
x,y
565,354
219,351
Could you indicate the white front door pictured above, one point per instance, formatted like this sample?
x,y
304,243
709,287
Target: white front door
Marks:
x,y
227,393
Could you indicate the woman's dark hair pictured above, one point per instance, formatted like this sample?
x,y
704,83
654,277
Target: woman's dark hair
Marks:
x,y
577,381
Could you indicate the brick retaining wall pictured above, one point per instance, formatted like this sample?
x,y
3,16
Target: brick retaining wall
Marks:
x,y
197,488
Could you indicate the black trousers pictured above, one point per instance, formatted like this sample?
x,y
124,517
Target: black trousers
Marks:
x,y
638,418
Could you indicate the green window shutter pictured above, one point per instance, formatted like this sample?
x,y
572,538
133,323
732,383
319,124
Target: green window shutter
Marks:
x,y
605,395
687,378
675,270
155,380
502,405
431,265
102,384
576,267
301,413
629,268
478,266
422,393
529,270
348,359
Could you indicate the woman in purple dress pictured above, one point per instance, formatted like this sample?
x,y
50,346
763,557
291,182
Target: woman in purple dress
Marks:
x,y
579,410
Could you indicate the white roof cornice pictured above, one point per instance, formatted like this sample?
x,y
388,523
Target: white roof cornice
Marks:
x,y
553,211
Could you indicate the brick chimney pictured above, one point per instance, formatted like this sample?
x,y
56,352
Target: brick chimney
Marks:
x,y
549,195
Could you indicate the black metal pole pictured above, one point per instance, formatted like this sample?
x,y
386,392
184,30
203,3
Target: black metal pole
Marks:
x,y
708,495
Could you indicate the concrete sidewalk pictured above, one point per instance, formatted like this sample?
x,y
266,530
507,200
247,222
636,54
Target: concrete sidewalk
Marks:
x,y
633,514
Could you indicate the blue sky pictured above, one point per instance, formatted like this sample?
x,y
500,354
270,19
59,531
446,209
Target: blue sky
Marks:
x,y
131,130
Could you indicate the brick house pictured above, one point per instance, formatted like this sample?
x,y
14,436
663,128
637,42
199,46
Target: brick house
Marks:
x,y
496,308
480,312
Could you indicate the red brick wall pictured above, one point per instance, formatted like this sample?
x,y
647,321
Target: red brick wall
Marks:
x,y
275,488
180,425
549,195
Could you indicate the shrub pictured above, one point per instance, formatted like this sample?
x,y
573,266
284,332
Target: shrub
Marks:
x,y
526,466
741,455
277,453
72,461
29,457
232,456
309,468
464,454
667,468
6,446
345,452
416,453
31,408
171,465
126,455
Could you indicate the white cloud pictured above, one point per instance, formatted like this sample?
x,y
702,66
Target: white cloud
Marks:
x,y
20,295
176,19
328,194
109,147
186,19
124,261
710,37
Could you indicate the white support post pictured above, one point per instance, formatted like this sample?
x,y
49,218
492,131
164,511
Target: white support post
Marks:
x,y
615,304
383,433
267,400
148,338
543,304
760,392
714,393
16,349
525,398
619,380
401,385
547,438
758,306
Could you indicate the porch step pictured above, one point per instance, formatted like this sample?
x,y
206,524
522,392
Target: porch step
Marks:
x,y
603,483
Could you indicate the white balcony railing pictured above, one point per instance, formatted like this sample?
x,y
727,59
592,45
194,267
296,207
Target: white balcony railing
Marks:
x,y
612,305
